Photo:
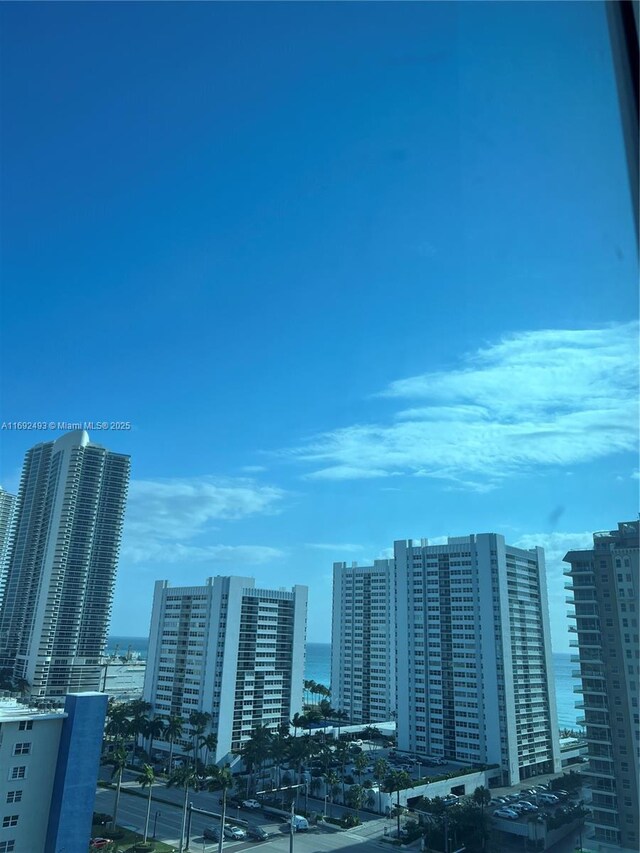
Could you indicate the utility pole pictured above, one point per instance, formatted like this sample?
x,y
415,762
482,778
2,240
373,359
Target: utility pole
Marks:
x,y
293,806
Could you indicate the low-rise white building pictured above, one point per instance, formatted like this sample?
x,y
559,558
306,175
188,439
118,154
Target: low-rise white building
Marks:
x,y
230,650
49,762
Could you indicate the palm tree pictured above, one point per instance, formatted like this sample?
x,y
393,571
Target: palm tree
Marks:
x,y
297,722
360,762
340,716
341,753
298,752
310,686
355,796
278,749
255,750
332,781
310,718
173,730
136,712
146,780
154,729
21,685
209,742
118,761
398,780
222,778
326,712
482,797
198,720
183,777
380,772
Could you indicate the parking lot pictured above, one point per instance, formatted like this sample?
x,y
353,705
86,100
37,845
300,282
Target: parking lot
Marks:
x,y
534,801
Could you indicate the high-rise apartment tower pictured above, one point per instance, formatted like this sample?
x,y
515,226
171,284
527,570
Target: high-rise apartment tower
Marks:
x,y
363,641
7,516
230,650
604,582
455,639
62,564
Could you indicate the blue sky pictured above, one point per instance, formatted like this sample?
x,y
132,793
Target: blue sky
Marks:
x,y
353,272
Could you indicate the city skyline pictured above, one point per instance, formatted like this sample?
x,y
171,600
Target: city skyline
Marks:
x,y
343,288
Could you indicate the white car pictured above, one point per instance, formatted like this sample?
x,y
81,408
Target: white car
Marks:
x,y
507,813
235,833
300,824
250,804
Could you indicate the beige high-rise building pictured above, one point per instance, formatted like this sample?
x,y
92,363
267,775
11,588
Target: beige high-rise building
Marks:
x,y
604,582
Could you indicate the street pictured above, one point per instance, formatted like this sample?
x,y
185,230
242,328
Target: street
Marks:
x,y
167,821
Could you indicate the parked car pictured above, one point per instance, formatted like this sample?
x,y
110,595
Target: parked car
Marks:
x,y
257,833
235,833
250,804
212,833
548,799
99,843
513,798
564,795
508,814
528,807
232,803
300,824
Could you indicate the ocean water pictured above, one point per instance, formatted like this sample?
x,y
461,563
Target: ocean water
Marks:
x,y
318,669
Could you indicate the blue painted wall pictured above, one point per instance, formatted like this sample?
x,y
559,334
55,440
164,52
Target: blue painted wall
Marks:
x,y
74,787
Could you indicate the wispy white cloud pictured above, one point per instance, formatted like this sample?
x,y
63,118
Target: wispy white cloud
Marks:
x,y
253,469
165,516
177,552
344,547
551,397
635,475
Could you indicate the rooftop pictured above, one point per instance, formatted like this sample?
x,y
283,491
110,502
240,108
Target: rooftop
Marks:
x,y
14,710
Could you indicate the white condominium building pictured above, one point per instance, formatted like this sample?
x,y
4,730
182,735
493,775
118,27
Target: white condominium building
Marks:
x,y
474,674
228,649
62,564
362,641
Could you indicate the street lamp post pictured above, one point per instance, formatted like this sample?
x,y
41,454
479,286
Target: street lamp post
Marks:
x,y
292,827
155,822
